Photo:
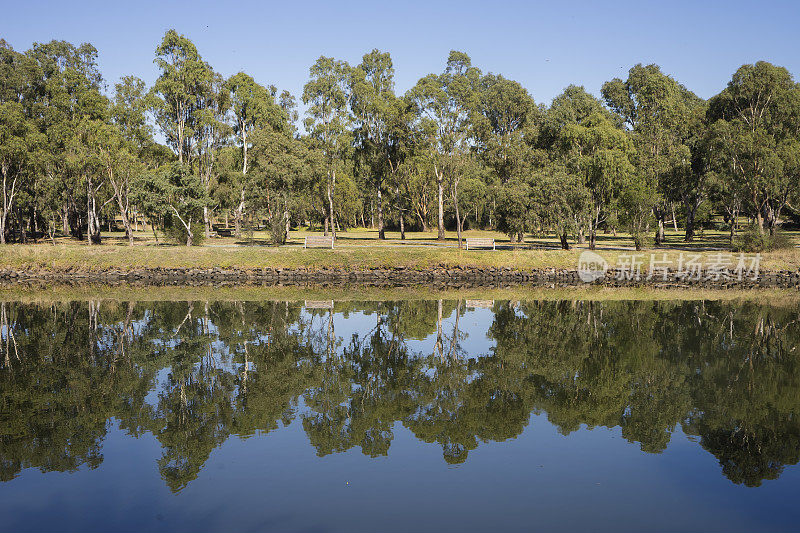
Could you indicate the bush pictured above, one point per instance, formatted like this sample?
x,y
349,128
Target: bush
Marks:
x,y
753,241
277,229
175,231
641,239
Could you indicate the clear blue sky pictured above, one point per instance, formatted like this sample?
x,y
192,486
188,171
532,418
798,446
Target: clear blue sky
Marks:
x,y
543,45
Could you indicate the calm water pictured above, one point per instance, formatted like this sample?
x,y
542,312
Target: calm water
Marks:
x,y
397,416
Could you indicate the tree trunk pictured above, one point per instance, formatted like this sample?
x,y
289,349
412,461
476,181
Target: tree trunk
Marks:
x,y
734,216
123,207
238,216
458,215
564,243
381,230
207,222
690,213
91,214
65,219
331,187
674,219
440,186
659,231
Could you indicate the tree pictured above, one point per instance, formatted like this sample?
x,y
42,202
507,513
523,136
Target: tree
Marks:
x,y
445,105
120,165
754,124
374,108
211,132
253,107
18,133
183,80
600,153
66,99
659,112
326,94
184,200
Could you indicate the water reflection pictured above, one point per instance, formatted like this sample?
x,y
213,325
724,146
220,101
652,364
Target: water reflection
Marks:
x,y
193,374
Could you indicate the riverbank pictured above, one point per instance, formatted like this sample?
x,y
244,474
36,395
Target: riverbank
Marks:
x,y
365,255
376,264
435,277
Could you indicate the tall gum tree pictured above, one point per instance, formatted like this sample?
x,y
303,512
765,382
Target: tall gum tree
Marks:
x,y
445,105
372,100
254,109
184,75
328,120
754,124
658,111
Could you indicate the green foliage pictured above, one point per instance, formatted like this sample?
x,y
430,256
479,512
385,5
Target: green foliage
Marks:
x,y
179,234
461,145
752,240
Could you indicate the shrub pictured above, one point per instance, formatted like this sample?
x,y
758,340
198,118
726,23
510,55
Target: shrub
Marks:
x,y
752,240
175,231
277,230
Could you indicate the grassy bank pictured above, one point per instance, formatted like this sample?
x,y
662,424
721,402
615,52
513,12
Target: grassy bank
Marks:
x,y
355,250
33,294
114,257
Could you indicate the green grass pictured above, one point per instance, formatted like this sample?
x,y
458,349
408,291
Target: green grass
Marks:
x,y
355,250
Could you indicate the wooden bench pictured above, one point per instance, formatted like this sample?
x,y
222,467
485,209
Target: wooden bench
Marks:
x,y
318,240
224,232
480,242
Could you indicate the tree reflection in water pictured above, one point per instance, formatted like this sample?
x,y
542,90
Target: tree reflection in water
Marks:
x,y
194,374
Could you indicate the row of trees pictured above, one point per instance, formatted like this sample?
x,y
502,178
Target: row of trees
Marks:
x,y
194,374
460,148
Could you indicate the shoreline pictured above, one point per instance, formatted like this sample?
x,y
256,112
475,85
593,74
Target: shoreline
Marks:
x,y
433,277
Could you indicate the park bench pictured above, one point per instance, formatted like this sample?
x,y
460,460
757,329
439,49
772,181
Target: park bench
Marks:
x,y
480,242
224,232
318,240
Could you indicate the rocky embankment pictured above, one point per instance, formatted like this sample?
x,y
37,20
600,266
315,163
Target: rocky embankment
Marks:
x,y
436,277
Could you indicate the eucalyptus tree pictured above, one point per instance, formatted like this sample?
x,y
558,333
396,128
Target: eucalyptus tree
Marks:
x,y
755,123
126,144
689,181
561,200
118,165
445,105
282,164
601,154
177,91
559,136
176,196
253,107
211,133
658,111
17,131
506,125
373,103
68,104
326,95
